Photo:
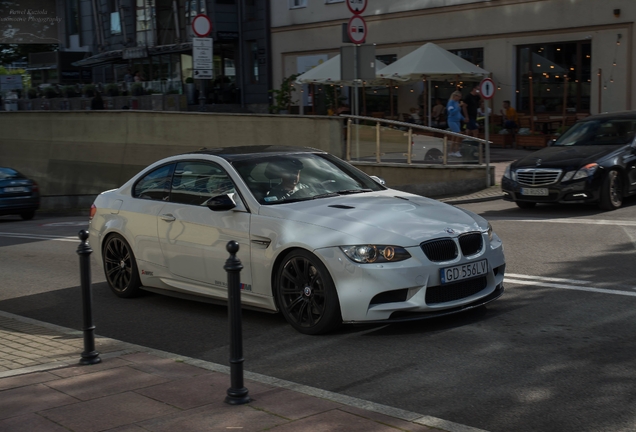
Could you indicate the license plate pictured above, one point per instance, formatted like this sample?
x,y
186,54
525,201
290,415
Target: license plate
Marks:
x,y
534,191
464,271
16,189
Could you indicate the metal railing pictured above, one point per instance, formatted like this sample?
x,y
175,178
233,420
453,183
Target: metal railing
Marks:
x,y
441,149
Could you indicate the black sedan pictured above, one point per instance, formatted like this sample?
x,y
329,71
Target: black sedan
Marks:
x,y
19,195
593,162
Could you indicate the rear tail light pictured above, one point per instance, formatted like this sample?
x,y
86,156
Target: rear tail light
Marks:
x,y
92,212
35,187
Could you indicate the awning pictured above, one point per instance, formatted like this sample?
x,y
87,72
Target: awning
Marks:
x,y
47,67
101,58
116,55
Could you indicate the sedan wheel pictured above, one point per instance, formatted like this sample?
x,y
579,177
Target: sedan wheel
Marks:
x,y
612,191
306,294
120,267
28,215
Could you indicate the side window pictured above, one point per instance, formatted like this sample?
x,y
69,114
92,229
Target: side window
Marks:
x,y
195,183
155,185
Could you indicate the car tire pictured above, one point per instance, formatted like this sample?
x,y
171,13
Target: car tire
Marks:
x,y
120,267
525,204
306,294
27,215
611,191
433,156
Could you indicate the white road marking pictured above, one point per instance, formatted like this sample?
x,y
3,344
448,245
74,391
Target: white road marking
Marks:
x,y
40,237
574,287
572,221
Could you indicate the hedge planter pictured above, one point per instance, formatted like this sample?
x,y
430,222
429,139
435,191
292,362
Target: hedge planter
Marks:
x,y
533,141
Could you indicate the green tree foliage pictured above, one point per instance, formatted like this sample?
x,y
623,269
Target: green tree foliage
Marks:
x,y
10,53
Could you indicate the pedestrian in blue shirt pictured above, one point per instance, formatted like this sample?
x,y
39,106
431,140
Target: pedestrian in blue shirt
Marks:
x,y
454,118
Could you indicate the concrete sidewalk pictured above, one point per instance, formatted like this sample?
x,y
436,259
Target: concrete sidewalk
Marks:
x,y
43,388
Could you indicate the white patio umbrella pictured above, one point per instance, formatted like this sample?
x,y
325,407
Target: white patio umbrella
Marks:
x,y
433,63
329,73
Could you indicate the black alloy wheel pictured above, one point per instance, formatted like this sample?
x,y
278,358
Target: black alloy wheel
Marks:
x,y
612,191
120,267
306,294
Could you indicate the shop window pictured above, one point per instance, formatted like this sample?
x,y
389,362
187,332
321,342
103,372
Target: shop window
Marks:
x,y
560,72
253,49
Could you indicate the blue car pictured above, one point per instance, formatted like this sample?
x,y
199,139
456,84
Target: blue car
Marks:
x,y
19,195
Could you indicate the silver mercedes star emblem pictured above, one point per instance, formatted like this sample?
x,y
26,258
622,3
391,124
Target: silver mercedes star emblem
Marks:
x,y
538,162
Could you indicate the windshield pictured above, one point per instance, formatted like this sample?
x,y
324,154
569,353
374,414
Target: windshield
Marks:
x,y
8,173
299,177
599,132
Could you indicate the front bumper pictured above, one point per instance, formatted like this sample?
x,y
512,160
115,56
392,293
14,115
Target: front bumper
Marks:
x,y
580,191
411,289
17,205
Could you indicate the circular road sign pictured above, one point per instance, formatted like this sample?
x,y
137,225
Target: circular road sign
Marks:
x,y
357,29
201,25
487,88
357,6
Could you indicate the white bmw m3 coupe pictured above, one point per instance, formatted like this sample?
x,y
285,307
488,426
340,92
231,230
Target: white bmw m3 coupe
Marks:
x,y
320,241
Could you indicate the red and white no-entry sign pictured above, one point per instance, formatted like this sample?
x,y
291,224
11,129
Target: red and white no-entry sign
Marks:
x,y
487,88
357,29
357,6
201,25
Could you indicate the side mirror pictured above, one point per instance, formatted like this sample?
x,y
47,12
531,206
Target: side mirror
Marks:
x,y
226,202
550,142
378,180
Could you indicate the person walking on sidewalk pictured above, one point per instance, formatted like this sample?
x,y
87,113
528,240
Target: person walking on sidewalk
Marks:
x,y
454,119
472,101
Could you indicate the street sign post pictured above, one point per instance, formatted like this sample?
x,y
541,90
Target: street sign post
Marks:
x,y
357,29
202,58
357,6
487,88
487,91
201,25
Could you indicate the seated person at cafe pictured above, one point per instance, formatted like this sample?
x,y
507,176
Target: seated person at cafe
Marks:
x,y
510,118
438,114
415,116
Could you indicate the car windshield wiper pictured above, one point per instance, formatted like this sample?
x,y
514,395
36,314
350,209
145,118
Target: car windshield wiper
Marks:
x,y
352,191
326,195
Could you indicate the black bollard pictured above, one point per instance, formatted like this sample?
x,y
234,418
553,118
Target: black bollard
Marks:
x,y
237,393
89,356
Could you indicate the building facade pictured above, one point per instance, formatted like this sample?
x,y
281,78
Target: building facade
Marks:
x,y
152,39
578,53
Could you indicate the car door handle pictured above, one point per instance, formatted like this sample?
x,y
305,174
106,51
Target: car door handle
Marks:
x,y
167,217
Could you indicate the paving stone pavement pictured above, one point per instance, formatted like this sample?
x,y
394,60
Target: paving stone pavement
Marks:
x,y
134,388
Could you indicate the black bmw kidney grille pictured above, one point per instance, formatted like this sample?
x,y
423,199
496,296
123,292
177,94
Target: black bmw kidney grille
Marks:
x,y
455,291
440,249
470,243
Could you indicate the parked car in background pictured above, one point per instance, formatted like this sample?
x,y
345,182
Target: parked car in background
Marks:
x,y
592,162
19,195
320,241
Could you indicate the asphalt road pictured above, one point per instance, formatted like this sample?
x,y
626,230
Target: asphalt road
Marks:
x,y
555,353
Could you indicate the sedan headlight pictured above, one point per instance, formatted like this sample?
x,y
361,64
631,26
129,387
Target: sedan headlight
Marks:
x,y
489,231
507,174
367,254
587,171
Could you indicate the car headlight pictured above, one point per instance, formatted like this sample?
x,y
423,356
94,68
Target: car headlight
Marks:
x,y
367,254
587,171
507,173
